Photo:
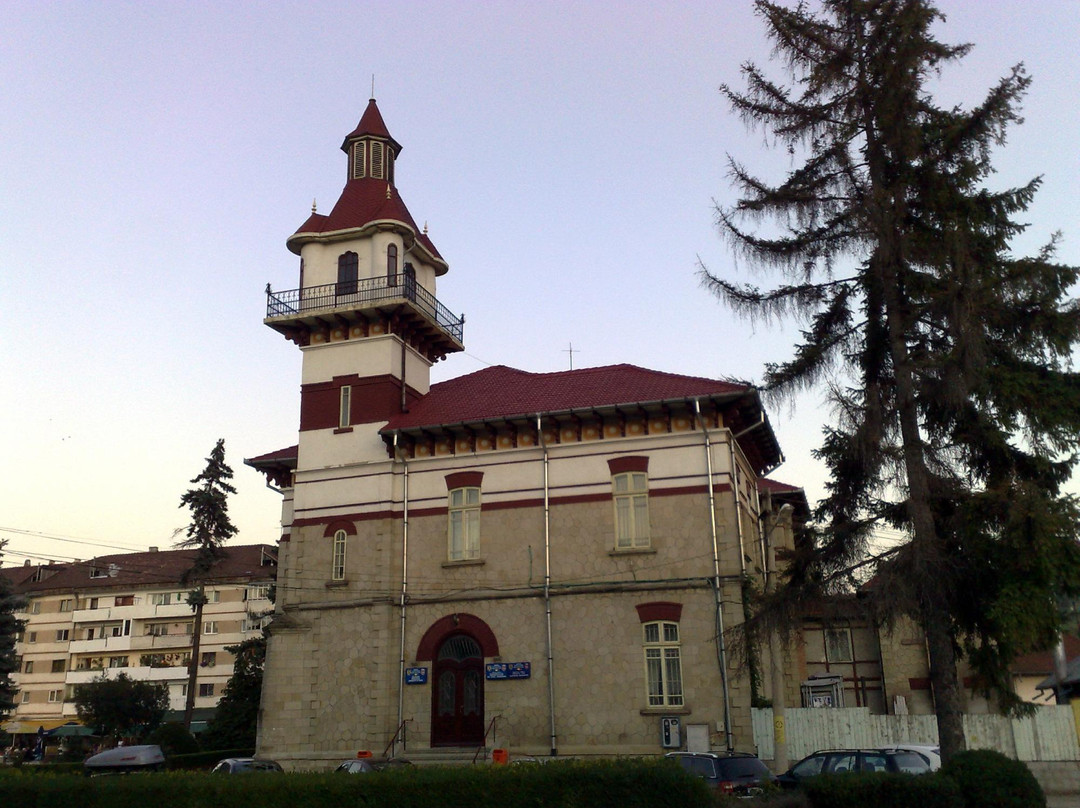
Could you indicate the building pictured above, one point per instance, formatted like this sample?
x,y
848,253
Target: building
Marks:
x,y
128,613
552,562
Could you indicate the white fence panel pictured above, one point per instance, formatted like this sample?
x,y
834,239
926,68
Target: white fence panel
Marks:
x,y
1049,735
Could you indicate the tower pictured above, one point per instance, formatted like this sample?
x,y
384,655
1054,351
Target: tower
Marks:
x,y
365,313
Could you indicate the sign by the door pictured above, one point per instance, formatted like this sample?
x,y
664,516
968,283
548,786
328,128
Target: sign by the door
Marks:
x,y
508,670
416,676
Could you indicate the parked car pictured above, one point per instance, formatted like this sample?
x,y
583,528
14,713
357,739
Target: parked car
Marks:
x,y
368,765
737,773
125,759
838,761
245,766
931,752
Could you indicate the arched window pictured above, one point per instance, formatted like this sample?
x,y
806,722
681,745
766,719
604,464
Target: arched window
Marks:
x,y
463,525
337,565
391,265
347,268
631,494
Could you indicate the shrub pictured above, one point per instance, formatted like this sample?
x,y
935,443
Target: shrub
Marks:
x,y
989,779
882,790
174,739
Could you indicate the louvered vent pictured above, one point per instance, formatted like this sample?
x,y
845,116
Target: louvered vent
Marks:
x,y
359,165
377,160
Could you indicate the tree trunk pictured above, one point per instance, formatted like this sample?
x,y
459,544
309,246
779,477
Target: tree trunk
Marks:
x,y
193,666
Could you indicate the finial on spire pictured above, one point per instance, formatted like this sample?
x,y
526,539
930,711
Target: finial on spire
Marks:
x,y
313,206
372,86
425,228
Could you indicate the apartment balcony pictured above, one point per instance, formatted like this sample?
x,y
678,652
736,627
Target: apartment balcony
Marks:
x,y
137,611
414,311
149,642
100,645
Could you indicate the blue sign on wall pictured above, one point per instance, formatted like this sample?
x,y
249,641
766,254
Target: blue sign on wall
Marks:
x,y
416,676
508,670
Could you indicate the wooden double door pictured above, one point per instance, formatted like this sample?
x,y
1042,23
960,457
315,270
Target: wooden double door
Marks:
x,y
457,703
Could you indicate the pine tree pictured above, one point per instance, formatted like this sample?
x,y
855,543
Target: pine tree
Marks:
x,y
236,720
10,626
946,358
208,531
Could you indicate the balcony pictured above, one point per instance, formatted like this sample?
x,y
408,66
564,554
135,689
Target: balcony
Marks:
x,y
317,308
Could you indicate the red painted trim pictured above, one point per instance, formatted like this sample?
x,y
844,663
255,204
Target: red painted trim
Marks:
x,y
373,399
339,524
464,479
456,624
621,465
659,610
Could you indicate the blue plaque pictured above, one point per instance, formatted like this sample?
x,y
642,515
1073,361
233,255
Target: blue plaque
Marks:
x,y
508,670
416,676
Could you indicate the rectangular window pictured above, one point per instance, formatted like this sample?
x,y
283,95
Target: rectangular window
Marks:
x,y
209,627
26,697
35,608
157,629
62,635
257,592
125,600
206,689
56,695
631,494
838,645
337,563
118,662
161,598
213,596
464,524
28,667
31,636
67,604
344,408
59,665
209,659
663,664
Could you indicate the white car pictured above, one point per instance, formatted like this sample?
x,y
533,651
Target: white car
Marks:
x,y
931,752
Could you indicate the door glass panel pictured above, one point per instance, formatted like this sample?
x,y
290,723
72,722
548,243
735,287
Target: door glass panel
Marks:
x,y
446,693
471,697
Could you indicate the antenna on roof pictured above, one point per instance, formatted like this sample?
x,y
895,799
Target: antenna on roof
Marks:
x,y
571,351
372,86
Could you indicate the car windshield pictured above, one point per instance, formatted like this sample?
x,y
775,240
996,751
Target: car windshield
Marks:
x,y
911,763
809,767
742,768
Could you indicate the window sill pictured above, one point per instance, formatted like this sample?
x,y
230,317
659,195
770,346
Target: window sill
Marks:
x,y
624,551
341,430
337,584
684,710
465,562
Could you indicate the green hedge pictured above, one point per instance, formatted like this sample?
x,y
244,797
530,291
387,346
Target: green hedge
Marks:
x,y
881,790
989,779
615,783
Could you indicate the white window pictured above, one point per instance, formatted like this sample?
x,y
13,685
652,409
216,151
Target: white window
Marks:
x,y
62,635
254,624
161,598
26,697
631,494
464,524
31,636
67,604
56,695
663,664
28,666
838,645
118,662
257,592
35,608
337,564
157,629
213,596
209,627
344,408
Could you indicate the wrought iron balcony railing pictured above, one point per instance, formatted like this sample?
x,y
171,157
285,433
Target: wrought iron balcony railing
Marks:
x,y
364,293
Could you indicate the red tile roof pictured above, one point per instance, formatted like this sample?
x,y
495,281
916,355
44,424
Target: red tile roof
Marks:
x,y
503,392
1040,663
371,123
362,201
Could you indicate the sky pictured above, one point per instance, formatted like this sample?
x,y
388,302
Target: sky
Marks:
x,y
566,157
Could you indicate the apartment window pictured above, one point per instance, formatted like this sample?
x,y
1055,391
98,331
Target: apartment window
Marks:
x,y
631,494
98,572
118,662
254,624
125,600
26,697
347,273
209,659
161,598
59,665
257,592
62,635
391,265
157,629
209,627
337,565
67,604
206,689
56,695
213,596
345,406
838,645
35,608
31,636
464,523
663,664
28,666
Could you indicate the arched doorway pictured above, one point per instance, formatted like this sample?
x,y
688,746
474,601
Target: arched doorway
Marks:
x,y
457,699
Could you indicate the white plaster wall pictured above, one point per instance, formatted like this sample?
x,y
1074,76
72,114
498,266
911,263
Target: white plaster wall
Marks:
x,y
368,356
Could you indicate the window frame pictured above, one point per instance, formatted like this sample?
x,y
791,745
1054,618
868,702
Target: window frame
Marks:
x,y
463,523
391,265
345,406
830,635
337,555
662,657
631,507
348,274
206,690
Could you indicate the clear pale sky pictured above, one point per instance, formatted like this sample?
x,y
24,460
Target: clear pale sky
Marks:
x,y
155,156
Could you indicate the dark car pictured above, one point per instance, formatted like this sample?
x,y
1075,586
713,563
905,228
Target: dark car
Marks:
x,y
839,761
737,773
368,765
245,766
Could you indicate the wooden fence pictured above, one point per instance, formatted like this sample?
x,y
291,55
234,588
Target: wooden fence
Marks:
x,y
1047,736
